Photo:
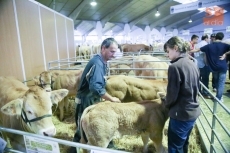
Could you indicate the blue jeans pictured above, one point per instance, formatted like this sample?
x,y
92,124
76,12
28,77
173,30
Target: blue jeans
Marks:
x,y
219,78
204,78
178,135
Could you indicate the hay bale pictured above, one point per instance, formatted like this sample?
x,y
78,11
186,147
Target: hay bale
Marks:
x,y
64,131
134,143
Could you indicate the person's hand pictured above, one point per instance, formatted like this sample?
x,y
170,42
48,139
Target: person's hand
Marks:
x,y
115,99
222,57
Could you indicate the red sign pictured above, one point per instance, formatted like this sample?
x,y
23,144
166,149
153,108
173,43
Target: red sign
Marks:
x,y
214,16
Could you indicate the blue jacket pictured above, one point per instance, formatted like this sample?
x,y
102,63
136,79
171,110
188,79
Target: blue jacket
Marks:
x,y
92,80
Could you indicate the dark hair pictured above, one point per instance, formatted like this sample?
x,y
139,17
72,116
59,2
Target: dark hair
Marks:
x,y
194,37
219,36
204,37
165,47
213,35
107,42
182,45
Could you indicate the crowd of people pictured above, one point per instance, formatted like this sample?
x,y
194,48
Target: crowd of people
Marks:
x,y
183,83
212,58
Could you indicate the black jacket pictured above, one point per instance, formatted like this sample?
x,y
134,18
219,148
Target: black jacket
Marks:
x,y
182,89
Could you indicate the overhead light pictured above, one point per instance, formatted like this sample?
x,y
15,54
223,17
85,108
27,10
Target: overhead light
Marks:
x,y
190,20
93,3
157,13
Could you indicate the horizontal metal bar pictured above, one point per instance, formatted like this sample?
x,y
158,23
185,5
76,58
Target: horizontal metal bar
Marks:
x,y
222,125
205,131
220,142
206,118
64,142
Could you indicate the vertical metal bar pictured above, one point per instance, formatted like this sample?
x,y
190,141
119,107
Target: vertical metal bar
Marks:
x,y
56,35
213,126
54,4
19,41
42,37
67,43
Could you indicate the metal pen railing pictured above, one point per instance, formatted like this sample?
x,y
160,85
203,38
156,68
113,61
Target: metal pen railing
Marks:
x,y
212,125
64,142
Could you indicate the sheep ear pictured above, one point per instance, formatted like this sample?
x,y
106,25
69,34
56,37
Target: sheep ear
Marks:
x,y
36,80
13,107
57,95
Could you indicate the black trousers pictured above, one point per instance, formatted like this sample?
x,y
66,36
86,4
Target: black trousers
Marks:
x,y
85,101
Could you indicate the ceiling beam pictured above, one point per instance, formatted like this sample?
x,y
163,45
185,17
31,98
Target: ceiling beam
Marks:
x,y
189,25
46,2
87,32
121,25
142,27
117,32
135,21
77,23
180,21
108,29
153,25
78,9
113,13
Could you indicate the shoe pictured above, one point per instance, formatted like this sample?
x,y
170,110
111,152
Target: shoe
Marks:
x,y
207,97
72,150
111,145
222,100
214,89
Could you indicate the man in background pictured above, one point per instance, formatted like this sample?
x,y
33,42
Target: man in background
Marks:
x,y
216,54
193,42
203,67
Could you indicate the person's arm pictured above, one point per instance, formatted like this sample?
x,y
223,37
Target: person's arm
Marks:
x,y
224,55
97,83
107,96
173,87
194,50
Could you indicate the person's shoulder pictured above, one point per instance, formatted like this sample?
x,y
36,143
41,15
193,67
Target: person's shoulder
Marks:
x,y
204,47
222,44
97,60
172,66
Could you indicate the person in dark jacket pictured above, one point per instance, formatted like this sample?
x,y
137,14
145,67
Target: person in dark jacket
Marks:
x,y
182,95
212,40
92,84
